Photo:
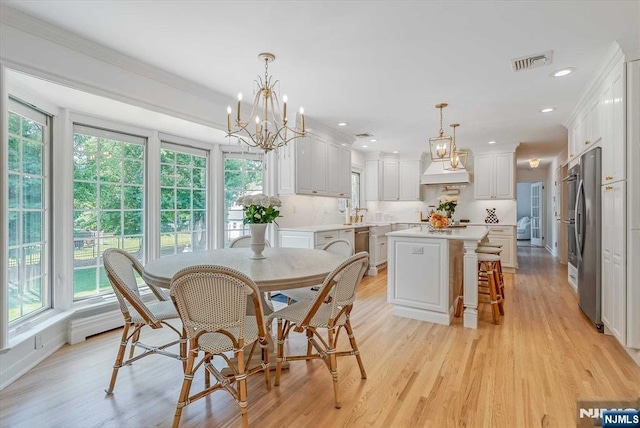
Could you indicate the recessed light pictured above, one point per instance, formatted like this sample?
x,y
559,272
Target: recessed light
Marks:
x,y
547,110
492,142
365,146
563,72
373,140
342,124
395,151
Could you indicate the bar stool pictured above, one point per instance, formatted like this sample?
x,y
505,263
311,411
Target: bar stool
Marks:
x,y
488,284
485,249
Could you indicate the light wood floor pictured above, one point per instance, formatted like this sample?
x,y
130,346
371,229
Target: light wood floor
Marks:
x,y
526,372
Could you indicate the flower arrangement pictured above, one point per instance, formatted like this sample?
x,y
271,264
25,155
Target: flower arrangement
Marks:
x,y
447,203
259,208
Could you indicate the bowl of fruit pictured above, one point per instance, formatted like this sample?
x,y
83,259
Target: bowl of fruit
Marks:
x,y
438,222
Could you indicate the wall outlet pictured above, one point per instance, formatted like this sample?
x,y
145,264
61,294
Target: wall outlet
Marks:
x,y
37,342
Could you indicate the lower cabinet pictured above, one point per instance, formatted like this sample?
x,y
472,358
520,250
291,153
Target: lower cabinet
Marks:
x,y
505,235
310,239
614,278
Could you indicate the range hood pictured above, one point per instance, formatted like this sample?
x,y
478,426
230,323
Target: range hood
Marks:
x,y
436,174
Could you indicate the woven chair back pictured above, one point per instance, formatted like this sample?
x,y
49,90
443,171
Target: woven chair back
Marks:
x,y
244,241
121,267
339,247
212,298
339,287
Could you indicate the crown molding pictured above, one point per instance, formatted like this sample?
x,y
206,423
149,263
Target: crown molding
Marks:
x,y
70,40
614,57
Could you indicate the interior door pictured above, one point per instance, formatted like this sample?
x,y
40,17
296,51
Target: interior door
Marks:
x,y
536,214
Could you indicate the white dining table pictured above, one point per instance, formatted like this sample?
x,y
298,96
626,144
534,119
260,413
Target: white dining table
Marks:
x,y
282,268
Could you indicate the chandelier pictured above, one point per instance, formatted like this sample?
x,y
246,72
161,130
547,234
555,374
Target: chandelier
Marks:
x,y
271,125
534,162
458,158
440,146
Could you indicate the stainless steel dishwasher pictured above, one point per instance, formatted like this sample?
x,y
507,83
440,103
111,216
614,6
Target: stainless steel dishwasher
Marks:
x,y
361,239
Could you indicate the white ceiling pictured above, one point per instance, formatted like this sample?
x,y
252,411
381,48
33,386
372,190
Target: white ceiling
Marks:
x,y
380,66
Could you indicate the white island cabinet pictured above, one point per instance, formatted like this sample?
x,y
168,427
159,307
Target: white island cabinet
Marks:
x,y
426,270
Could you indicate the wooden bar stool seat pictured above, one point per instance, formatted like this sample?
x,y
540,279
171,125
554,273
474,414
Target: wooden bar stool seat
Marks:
x,y
488,283
497,251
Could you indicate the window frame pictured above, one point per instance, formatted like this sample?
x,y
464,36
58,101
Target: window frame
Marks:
x,y
25,109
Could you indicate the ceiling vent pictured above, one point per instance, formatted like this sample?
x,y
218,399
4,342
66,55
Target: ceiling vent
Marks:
x,y
364,135
531,61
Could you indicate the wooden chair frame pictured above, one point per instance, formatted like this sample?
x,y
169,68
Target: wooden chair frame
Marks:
x,y
239,368
339,317
128,299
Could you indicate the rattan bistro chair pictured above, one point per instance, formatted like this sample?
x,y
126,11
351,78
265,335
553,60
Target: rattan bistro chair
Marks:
x,y
339,247
330,310
212,303
120,267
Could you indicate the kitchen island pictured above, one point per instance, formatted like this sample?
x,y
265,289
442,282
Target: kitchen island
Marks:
x,y
426,269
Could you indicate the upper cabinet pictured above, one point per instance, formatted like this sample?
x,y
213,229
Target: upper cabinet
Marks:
x,y
318,164
613,128
494,176
392,179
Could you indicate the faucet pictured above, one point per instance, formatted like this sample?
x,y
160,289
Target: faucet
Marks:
x,y
357,210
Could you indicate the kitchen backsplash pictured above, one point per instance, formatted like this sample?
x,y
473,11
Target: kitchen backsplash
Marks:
x,y
299,210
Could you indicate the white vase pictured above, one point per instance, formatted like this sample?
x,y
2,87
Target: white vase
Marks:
x,y
258,242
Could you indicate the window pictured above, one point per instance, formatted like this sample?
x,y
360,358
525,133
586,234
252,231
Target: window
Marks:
x,y
108,203
242,175
183,199
28,251
355,189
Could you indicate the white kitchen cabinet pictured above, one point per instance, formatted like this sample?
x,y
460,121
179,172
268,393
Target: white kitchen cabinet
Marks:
x,y
313,239
494,176
392,180
313,165
613,128
614,284
505,235
377,247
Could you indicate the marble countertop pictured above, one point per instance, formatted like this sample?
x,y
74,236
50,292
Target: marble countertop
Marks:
x,y
326,227
470,233
338,226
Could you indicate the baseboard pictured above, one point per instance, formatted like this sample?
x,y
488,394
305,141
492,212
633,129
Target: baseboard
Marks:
x,y
81,328
422,315
634,354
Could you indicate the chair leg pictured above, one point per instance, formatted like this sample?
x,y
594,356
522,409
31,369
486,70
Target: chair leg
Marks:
x,y
493,295
119,358
134,340
309,338
499,291
186,383
333,368
242,387
459,302
280,353
183,349
354,346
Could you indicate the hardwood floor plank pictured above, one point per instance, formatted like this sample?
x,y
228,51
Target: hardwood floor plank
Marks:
x,y
527,371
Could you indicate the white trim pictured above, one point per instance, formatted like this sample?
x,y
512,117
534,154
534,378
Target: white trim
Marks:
x,y
613,58
58,36
4,198
186,142
78,329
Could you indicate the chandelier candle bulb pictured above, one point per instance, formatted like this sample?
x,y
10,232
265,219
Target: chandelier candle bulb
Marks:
x,y
302,118
239,102
228,118
284,109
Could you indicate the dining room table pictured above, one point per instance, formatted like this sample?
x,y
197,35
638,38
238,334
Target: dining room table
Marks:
x,y
282,268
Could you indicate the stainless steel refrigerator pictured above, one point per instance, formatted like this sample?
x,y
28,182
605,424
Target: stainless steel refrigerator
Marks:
x,y
588,223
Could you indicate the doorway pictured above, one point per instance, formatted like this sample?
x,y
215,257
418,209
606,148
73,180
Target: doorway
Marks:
x,y
530,213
